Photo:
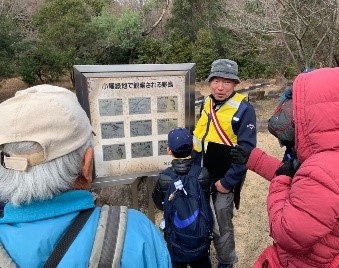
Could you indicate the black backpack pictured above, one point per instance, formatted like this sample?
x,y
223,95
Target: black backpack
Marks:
x,y
188,217
281,123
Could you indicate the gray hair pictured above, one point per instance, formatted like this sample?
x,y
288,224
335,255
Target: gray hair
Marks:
x,y
42,181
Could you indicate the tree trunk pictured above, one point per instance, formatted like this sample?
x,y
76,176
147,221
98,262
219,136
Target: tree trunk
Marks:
x,y
331,56
148,31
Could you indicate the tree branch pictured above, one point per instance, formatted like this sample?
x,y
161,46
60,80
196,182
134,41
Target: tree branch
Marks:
x,y
148,31
286,43
331,55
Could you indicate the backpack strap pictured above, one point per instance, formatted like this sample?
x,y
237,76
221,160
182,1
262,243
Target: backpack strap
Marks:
x,y
61,248
170,172
67,238
5,259
195,171
108,244
110,237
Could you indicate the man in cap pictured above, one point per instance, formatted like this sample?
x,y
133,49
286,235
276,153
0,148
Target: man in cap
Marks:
x,y
226,119
45,178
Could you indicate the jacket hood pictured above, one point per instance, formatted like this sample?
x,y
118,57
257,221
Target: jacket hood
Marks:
x,y
316,112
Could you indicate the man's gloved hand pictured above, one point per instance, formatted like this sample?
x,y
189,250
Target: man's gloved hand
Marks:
x,y
240,154
288,168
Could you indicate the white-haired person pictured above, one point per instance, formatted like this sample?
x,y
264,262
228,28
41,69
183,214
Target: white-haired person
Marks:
x,y
45,178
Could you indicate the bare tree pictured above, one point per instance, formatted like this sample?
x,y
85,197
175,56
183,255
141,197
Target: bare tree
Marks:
x,y
332,56
308,30
158,21
21,11
153,18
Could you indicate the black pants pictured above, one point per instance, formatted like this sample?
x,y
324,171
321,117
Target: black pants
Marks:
x,y
204,262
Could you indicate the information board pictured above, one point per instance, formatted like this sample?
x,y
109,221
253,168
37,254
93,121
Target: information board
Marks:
x,y
132,108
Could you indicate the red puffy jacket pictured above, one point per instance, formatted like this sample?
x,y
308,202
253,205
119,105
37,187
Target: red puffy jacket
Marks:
x,y
304,212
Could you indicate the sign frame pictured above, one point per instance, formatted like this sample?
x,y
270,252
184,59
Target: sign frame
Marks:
x,y
85,73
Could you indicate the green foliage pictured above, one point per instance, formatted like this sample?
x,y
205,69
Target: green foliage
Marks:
x,y
127,29
290,71
67,24
251,65
40,62
204,53
151,51
226,42
178,50
254,59
254,6
96,5
52,18
68,32
123,30
9,36
189,16
152,4
113,55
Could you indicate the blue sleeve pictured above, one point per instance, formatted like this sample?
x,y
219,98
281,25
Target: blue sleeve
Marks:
x,y
244,125
197,158
144,245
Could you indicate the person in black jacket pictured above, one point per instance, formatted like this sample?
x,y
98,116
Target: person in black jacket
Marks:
x,y
180,145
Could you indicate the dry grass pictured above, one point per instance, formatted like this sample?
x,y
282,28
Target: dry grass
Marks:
x,y
251,223
8,87
251,227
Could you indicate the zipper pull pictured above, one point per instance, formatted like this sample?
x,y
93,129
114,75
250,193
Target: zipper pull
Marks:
x,y
171,197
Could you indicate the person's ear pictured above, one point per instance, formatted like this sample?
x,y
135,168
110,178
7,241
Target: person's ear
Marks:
x,y
84,181
87,164
169,152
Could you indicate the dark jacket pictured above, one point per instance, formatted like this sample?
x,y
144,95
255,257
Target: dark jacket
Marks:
x,y
181,167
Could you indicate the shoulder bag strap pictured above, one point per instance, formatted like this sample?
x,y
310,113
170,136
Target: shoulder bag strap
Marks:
x,y
223,136
67,238
110,237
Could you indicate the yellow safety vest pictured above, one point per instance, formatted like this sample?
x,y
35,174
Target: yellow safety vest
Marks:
x,y
205,130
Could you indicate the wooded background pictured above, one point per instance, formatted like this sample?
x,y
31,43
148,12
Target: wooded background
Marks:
x,y
41,40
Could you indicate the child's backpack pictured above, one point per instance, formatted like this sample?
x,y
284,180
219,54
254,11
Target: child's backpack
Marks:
x,y
281,123
188,217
